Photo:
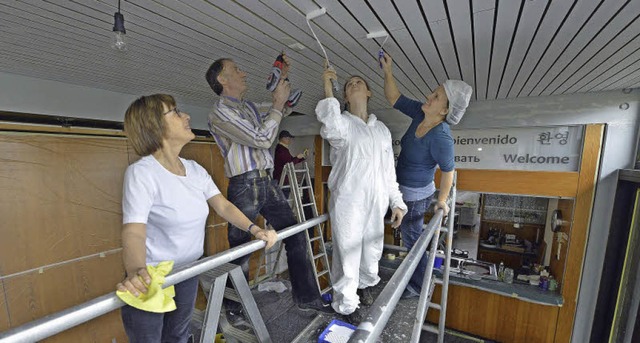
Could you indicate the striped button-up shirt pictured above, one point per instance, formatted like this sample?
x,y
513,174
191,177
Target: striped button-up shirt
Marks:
x,y
243,134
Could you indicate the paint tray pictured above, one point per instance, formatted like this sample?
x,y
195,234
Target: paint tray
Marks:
x,y
337,332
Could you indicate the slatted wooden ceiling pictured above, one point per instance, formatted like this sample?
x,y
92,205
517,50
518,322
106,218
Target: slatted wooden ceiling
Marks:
x,y
504,49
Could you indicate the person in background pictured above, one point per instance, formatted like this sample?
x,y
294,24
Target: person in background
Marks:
x,y
244,136
282,156
165,204
363,186
426,144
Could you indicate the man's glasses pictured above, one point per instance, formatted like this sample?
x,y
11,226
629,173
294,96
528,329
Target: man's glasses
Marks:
x,y
175,109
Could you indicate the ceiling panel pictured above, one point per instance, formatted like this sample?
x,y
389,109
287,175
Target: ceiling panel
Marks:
x,y
577,19
528,24
507,15
502,48
483,18
553,20
623,43
592,35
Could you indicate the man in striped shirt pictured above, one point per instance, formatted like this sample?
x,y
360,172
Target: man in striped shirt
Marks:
x,y
244,136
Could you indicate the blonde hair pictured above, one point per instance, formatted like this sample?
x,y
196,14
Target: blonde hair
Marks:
x,y
144,124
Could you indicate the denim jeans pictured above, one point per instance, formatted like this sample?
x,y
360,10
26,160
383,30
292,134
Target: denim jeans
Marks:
x,y
170,327
262,195
412,227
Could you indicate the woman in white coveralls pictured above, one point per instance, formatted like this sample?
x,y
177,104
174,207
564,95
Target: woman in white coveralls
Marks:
x,y
363,185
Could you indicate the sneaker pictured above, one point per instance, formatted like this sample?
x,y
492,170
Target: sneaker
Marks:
x,y
356,317
234,312
366,296
317,305
235,317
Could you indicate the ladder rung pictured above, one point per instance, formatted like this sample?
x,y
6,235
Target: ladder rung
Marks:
x,y
285,186
197,316
231,294
299,170
435,306
444,229
315,239
430,328
238,334
324,291
323,272
438,282
305,187
315,257
308,204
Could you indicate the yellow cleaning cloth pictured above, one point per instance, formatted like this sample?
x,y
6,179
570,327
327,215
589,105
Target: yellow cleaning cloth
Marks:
x,y
156,299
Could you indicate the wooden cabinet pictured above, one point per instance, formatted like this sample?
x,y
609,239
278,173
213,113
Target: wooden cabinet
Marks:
x,y
504,215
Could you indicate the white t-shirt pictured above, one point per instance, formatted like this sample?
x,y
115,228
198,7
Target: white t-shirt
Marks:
x,y
174,208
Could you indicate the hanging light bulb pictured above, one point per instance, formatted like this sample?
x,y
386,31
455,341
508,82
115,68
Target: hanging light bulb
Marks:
x,y
119,42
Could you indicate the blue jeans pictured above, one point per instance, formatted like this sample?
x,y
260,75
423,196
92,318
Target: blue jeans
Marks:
x,y
170,327
262,195
412,227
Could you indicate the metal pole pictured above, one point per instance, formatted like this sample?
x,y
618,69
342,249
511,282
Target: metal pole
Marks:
x,y
73,316
369,330
447,261
424,300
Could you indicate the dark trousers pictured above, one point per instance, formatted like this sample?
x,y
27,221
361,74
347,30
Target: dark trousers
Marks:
x,y
261,195
170,327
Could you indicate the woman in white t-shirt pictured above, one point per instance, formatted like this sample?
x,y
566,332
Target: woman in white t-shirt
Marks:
x,y
165,205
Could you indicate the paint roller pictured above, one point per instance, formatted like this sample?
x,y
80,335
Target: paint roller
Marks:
x,y
310,16
379,34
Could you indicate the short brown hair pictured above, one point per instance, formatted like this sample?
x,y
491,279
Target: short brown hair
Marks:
x,y
144,122
212,74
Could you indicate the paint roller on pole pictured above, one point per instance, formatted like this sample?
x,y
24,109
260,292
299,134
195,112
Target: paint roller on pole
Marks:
x,y
310,16
379,34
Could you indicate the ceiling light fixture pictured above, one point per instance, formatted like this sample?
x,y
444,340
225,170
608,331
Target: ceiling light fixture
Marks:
x,y
119,42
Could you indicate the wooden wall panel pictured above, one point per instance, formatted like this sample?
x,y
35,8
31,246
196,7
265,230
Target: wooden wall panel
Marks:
x,y
4,310
105,328
34,295
61,198
496,317
551,184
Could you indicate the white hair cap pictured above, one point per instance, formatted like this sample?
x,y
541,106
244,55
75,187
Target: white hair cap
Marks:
x,y
459,94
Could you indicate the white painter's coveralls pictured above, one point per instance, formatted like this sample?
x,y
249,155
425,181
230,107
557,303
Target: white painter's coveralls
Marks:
x,y
363,185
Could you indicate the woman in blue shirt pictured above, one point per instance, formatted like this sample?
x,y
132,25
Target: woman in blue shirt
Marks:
x,y
426,144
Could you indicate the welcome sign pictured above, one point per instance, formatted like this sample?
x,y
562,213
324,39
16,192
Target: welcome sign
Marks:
x,y
554,148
